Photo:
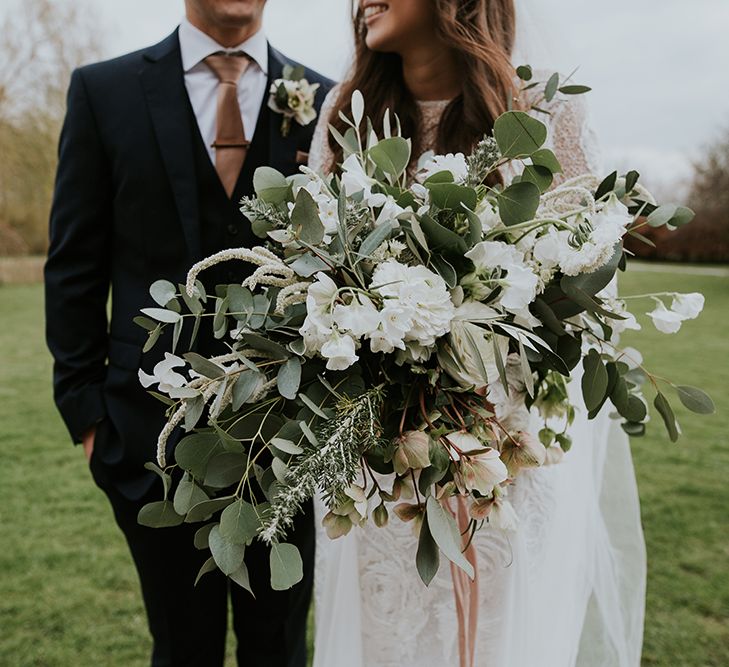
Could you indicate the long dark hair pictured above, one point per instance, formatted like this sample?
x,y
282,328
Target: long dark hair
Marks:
x,y
481,33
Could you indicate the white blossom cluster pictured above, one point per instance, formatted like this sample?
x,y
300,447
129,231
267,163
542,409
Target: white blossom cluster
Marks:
x,y
407,308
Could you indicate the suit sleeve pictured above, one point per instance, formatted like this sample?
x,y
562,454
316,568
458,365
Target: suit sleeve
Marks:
x,y
77,272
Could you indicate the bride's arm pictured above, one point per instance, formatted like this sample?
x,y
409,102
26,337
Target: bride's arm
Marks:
x,y
320,154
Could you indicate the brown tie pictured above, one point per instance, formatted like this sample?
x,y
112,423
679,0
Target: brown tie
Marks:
x,y
230,144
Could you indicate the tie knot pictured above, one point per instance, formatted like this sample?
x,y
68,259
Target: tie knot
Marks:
x,y
228,67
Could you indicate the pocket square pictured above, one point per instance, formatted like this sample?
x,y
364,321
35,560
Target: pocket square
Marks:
x,y
302,157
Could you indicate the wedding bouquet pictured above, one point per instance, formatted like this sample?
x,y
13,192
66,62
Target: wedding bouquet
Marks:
x,y
397,340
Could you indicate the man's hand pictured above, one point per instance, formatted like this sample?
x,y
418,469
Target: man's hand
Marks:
x,y
88,442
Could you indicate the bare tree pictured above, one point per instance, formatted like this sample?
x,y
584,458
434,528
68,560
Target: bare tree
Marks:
x,y
42,42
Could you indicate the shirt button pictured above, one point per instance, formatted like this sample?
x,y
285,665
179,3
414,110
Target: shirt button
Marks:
x,y
232,229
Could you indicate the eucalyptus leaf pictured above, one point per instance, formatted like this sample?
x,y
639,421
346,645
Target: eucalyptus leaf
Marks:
x,y
162,315
550,89
165,477
287,569
162,291
518,203
265,345
245,387
208,566
159,514
289,378
240,577
145,323
240,302
594,380
696,400
305,219
546,158
225,469
193,452
270,185
204,366
308,264
517,134
391,155
669,418
375,239
187,495
574,90
228,555
204,510
200,539
239,522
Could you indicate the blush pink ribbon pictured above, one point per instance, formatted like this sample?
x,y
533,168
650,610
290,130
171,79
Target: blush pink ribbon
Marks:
x,y
465,590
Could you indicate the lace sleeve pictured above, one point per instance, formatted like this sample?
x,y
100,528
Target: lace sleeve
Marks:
x,y
320,155
573,140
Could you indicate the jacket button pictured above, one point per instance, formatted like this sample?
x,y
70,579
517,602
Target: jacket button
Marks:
x,y
232,229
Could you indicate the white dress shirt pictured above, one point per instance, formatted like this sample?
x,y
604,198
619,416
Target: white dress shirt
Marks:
x,y
202,84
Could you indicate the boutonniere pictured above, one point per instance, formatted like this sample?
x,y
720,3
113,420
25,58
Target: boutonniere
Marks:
x,y
293,97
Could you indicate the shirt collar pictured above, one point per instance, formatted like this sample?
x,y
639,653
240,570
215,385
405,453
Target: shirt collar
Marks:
x,y
195,46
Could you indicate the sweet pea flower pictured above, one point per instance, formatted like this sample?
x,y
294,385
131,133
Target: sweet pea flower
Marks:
x,y
339,351
163,374
666,321
688,306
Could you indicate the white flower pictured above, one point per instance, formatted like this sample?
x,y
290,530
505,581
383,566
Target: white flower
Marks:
x,y
520,288
488,214
339,351
455,164
688,306
519,284
417,305
355,179
490,255
389,212
299,103
481,471
163,375
359,317
683,307
503,516
666,321
318,324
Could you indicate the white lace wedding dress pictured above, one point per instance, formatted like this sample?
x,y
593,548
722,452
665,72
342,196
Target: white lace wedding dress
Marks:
x,y
566,589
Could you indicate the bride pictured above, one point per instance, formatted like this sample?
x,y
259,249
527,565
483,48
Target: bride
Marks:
x,y
567,586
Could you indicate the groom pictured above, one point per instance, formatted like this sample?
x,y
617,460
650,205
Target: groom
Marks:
x,y
157,148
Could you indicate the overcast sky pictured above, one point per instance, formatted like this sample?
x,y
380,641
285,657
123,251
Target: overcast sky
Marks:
x,y
659,68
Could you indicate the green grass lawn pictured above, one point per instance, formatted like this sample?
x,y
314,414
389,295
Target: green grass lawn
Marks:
x,y
68,590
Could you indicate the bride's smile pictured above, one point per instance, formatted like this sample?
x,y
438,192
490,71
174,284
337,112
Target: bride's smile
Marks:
x,y
373,10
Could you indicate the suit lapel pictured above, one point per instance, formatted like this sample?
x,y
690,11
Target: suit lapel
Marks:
x,y
169,107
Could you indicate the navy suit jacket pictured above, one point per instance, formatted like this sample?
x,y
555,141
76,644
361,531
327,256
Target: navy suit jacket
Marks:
x,y
125,213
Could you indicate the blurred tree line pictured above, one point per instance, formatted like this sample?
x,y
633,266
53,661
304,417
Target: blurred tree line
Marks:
x,y
41,42
706,239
